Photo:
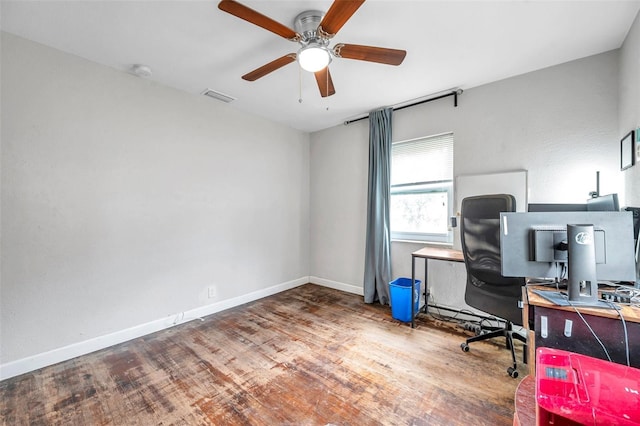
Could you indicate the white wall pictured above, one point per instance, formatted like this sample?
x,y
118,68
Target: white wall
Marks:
x,y
123,201
559,123
338,206
629,105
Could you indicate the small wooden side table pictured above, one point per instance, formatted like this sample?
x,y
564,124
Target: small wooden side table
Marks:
x,y
525,403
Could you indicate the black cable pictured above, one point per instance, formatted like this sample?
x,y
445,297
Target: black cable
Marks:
x,y
590,329
626,335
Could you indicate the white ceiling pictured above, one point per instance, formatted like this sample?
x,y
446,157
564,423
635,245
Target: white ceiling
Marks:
x,y
192,45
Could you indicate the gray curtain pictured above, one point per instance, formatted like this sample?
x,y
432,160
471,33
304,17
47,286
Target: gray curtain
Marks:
x,y
377,266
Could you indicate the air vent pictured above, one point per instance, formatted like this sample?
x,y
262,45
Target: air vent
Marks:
x,y
219,96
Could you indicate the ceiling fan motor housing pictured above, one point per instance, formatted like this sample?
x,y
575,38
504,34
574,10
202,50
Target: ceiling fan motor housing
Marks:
x,y
314,54
306,24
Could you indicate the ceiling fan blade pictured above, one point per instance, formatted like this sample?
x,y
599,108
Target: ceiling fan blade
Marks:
x,y
370,53
270,67
325,83
339,13
243,12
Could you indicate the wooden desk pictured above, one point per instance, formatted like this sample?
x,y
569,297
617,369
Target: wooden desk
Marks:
x,y
426,253
605,323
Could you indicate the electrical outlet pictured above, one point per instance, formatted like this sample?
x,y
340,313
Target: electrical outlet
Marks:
x,y
212,292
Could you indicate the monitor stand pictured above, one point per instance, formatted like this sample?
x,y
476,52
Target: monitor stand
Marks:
x,y
583,281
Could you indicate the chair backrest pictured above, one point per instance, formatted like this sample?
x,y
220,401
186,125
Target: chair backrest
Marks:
x,y
487,289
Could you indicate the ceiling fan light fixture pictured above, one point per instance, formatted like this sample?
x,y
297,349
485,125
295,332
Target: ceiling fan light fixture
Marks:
x,y
314,57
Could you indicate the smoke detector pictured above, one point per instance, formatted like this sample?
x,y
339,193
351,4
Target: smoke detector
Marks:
x,y
141,70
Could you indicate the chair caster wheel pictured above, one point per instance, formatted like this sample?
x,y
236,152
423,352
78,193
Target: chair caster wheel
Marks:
x,y
464,347
512,372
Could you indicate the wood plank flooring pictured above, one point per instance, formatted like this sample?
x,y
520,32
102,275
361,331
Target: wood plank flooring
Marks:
x,y
307,356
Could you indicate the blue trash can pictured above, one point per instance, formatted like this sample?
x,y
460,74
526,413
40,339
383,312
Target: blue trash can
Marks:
x,y
400,293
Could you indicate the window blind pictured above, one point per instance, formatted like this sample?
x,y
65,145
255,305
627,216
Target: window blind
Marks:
x,y
428,159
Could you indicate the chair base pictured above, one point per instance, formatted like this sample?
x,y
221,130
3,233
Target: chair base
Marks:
x,y
509,334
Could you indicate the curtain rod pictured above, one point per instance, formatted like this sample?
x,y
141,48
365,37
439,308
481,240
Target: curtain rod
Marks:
x,y
454,93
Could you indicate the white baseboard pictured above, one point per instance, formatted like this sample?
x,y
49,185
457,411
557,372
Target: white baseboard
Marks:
x,y
25,365
349,288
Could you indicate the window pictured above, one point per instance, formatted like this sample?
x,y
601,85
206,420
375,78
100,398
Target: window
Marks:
x,y
422,189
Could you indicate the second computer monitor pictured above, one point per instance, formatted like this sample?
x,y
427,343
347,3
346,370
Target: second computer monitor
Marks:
x,y
604,203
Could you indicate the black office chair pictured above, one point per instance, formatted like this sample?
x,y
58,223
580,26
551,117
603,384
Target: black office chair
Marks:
x,y
487,290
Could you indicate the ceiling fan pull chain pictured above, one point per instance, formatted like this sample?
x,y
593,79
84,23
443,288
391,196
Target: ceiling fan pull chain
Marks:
x,y
300,84
327,85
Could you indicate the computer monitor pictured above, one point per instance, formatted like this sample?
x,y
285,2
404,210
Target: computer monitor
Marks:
x,y
604,203
533,245
636,225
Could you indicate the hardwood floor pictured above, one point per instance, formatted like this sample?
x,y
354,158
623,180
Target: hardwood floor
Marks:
x,y
307,356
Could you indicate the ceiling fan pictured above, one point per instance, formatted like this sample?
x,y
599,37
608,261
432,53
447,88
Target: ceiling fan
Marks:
x,y
314,31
